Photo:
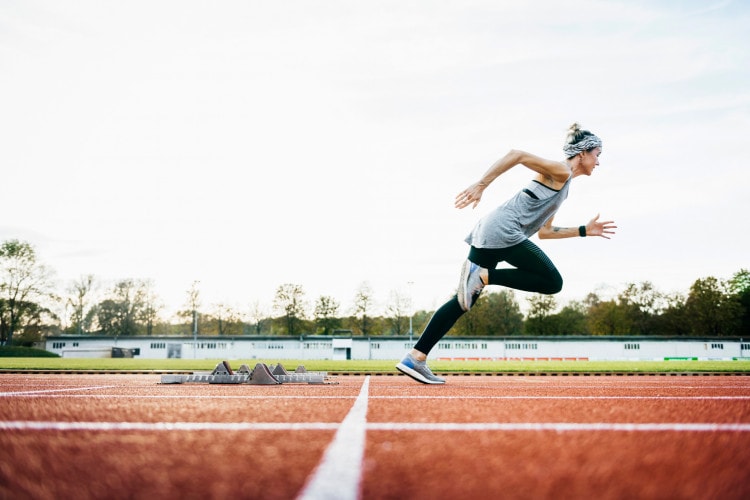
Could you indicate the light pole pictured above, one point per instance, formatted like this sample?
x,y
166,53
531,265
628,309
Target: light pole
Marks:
x,y
195,334
193,294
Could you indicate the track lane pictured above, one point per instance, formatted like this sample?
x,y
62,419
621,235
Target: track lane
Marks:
x,y
518,438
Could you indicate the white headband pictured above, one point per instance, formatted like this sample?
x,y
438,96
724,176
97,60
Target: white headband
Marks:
x,y
588,142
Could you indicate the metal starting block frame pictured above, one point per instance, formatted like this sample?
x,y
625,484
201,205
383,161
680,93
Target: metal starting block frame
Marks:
x,y
262,374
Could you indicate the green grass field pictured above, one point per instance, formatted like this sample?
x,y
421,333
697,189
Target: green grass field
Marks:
x,y
352,366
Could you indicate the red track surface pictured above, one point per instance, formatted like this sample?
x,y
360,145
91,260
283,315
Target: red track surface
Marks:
x,y
123,436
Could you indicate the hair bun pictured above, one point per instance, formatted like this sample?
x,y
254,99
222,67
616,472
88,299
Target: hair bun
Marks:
x,y
576,133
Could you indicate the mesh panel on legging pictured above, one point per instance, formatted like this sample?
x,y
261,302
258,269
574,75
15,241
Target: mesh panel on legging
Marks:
x,y
533,271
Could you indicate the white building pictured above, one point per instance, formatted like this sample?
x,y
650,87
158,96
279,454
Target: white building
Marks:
x,y
393,348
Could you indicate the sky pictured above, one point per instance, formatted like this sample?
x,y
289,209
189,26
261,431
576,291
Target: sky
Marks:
x,y
248,144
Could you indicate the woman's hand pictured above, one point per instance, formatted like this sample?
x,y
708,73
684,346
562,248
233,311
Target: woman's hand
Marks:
x,y
596,228
472,194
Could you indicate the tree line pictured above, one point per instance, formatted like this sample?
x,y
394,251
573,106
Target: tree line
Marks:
x,y
31,309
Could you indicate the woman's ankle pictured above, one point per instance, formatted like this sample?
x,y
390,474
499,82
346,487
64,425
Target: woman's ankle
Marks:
x,y
418,355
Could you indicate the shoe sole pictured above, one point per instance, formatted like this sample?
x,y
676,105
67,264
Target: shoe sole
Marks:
x,y
462,287
416,375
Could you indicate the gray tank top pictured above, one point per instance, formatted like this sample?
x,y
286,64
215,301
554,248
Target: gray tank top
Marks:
x,y
519,217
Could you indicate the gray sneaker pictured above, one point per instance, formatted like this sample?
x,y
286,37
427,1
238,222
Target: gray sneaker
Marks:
x,y
418,370
470,285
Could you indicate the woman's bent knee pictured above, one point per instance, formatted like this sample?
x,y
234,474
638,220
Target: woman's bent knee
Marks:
x,y
553,286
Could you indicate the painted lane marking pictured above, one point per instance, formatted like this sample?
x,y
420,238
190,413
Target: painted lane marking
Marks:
x,y
183,396
547,383
563,397
338,475
48,391
26,425
561,427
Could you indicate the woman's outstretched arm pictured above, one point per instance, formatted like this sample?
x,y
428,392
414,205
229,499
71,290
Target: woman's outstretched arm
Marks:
x,y
551,173
593,228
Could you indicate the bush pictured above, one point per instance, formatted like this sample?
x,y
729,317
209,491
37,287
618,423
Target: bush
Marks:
x,y
25,352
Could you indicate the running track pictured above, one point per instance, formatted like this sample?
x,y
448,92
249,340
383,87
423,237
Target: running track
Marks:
x,y
127,436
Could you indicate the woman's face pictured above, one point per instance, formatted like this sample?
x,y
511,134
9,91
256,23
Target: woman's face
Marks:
x,y
590,160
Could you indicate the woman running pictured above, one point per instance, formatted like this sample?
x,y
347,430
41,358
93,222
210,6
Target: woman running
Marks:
x,y
503,236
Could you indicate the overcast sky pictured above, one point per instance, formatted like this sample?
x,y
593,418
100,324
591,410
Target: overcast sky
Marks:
x,y
246,144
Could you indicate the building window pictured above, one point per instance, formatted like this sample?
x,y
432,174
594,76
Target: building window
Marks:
x,y
461,345
213,345
317,345
465,345
533,346
632,347
717,346
58,345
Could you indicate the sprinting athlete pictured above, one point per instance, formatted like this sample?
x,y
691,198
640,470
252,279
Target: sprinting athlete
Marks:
x,y
503,236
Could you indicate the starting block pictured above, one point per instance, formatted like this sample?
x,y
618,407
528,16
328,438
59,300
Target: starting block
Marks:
x,y
300,375
262,374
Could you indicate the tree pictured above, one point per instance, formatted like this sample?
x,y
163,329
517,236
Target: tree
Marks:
x,y
289,300
673,318
740,288
151,307
23,282
504,313
107,314
192,306
474,322
326,311
225,320
397,312
258,316
37,321
420,320
363,301
641,304
540,309
712,309
571,320
80,293
608,318
122,312
493,313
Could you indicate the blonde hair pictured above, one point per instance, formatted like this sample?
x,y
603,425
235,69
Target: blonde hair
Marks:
x,y
579,140
576,133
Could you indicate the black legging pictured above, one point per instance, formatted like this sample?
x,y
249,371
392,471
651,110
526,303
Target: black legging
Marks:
x,y
533,272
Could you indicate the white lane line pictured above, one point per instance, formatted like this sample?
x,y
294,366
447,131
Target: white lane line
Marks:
x,y
561,427
338,475
184,396
47,391
27,425
562,397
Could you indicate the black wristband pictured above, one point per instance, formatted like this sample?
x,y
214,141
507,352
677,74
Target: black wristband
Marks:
x,y
582,231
